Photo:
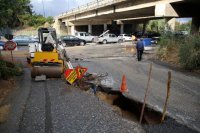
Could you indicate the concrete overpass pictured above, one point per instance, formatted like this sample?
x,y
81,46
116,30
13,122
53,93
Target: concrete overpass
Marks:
x,y
123,15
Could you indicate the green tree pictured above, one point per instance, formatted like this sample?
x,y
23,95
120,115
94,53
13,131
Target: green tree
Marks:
x,y
10,11
50,20
183,26
156,25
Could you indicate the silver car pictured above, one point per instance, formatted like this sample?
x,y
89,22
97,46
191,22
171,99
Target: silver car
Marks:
x,y
24,40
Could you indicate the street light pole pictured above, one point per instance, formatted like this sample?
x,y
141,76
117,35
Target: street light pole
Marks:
x,y
43,8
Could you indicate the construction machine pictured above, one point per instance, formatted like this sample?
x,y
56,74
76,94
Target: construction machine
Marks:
x,y
45,57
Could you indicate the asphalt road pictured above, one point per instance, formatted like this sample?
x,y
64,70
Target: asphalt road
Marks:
x,y
116,60
53,106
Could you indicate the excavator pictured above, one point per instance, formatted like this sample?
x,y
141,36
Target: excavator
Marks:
x,y
46,57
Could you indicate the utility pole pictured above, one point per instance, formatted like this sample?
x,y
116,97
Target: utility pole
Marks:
x,y
43,8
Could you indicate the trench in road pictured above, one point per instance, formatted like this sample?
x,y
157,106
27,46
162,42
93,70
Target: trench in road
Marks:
x,y
130,109
127,108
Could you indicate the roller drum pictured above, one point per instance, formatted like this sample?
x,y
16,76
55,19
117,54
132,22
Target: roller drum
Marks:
x,y
49,71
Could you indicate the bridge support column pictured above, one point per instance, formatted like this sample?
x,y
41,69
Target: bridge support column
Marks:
x,y
90,28
170,24
121,28
105,27
195,25
72,30
60,27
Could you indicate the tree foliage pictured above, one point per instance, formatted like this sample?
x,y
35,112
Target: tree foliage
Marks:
x,y
10,10
35,20
156,25
183,26
14,13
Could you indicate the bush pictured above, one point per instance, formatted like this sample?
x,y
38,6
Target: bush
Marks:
x,y
35,19
8,69
167,45
189,52
183,50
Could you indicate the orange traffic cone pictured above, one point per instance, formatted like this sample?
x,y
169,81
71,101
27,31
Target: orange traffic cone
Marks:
x,y
123,85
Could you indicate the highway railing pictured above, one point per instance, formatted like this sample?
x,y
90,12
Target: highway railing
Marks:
x,y
90,6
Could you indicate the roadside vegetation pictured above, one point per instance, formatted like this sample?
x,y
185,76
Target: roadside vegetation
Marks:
x,y
182,51
8,69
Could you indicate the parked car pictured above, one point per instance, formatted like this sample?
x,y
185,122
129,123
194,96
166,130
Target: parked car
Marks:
x,y
71,40
125,37
181,33
85,36
137,34
2,42
24,40
152,34
109,38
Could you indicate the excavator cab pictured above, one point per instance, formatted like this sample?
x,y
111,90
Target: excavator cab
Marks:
x,y
46,60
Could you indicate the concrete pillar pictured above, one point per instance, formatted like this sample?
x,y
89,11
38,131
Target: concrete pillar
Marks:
x,y
121,28
90,28
105,27
195,25
170,24
72,30
60,27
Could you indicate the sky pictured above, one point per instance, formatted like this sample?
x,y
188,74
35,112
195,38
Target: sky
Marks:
x,y
56,7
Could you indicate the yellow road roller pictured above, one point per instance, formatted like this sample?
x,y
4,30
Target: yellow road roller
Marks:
x,y
46,59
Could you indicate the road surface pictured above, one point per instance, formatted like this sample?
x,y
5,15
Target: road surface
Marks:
x,y
116,60
53,106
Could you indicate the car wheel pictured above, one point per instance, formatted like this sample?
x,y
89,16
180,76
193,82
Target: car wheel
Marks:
x,y
92,40
82,43
104,41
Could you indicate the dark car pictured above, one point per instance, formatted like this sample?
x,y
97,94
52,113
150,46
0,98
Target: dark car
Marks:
x,y
23,40
70,40
2,43
137,34
152,34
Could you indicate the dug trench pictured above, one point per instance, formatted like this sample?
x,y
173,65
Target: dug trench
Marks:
x,y
130,109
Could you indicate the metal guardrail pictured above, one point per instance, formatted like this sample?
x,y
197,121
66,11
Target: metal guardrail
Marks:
x,y
90,6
